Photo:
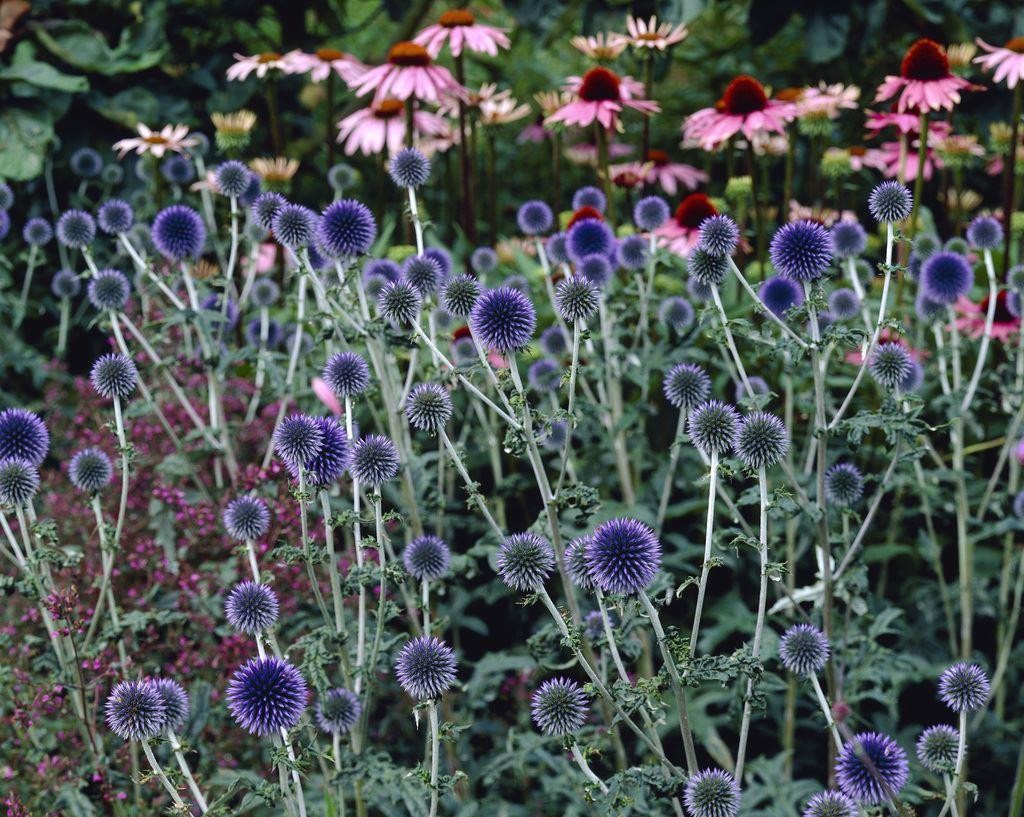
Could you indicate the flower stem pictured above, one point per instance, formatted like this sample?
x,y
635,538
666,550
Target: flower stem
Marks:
x,y
585,768
986,338
709,530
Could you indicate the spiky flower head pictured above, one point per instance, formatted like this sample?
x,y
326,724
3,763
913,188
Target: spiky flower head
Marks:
x,y
176,703
595,268
985,233
264,292
719,235
830,804
589,196
374,460
844,484
576,299
76,229
890,202
246,517
686,385
346,228
115,216
342,176
525,560
459,294
425,668
347,374
409,168
849,239
6,196
650,213
534,217
423,273
945,276
926,309
266,695
554,341
179,170
86,163
338,710
957,244
557,248
114,375
677,313
399,302
135,710
633,252
23,435
90,470
266,207
251,607
178,232
801,250
5,224
576,563
108,290
890,364
780,294
298,439
503,319
559,707
37,232
937,748
705,268
518,282
232,178
964,687
427,558
1015,278
712,793
589,237
65,284
763,440
428,407
714,427
544,375
804,649
483,260
331,458
888,766
623,556
19,481
843,303
294,225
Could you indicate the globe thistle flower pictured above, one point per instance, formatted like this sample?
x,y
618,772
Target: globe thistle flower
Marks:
x,y
19,481
844,484
37,232
428,407
115,217
576,563
520,283
623,555
264,292
427,558
804,649
76,229
254,327
964,687
985,233
712,793
422,273
251,607
108,290
890,364
676,313
483,260
758,385
409,168
331,458
714,427
294,225
114,375
589,196
686,385
937,748
135,710
525,560
6,196
889,766
65,284
266,695
890,202
1015,278
425,668
763,440
374,460
265,208
719,236
554,435
830,804
342,176
383,270
544,375
849,239
179,170
633,252
843,303
176,703
399,302
178,232
595,268
232,178
338,710
112,175
926,244
503,319
801,250
706,269
23,435
559,707
650,213
298,439
346,229
914,378
346,374
557,248
534,217
958,245
553,341
945,276
86,163
5,224
576,299
464,351
589,237
780,294
926,309
441,257
90,470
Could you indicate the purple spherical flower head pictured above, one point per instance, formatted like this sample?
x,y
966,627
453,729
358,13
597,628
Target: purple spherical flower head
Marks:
x,y
780,294
338,710
763,440
76,229
409,168
86,162
23,435
374,460
423,273
937,748
108,290
985,233
178,232
331,458
483,260
830,804
712,793
650,213
427,558
428,407
37,232
265,207
383,268
557,248
843,303
926,309
425,668
114,376
589,237
888,766
589,196
964,687
176,703
801,250
890,202
554,341
677,313
534,217
544,375
686,385
559,707
90,470
179,170
298,439
714,427
251,607
346,228
246,517
459,294
804,649
5,224
849,239
945,276
595,268
914,378
503,319
758,385
623,555
525,560
517,282
19,481
347,374
266,695
442,258
294,225
115,216
65,284
399,302
719,235
844,484
576,299
232,178
576,563
135,710
890,364
633,252
705,269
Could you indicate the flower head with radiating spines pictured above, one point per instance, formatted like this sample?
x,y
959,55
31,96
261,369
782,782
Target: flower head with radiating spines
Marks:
x,y
65,284
945,277
19,481
294,225
251,607
890,364
399,302
37,232
686,385
623,556
843,303
108,290
830,804
347,374
409,168
23,435
266,207
176,703
780,294
937,748
76,229
595,268
178,232
346,228
801,250
559,707
331,458
427,558
503,319
534,217
888,766
459,294
589,237
719,236
576,299
650,213
483,260
589,196
803,649
232,177
428,407
425,668
985,233
890,202
712,793
246,517
763,440
557,248
298,439
633,252
135,710
114,376
714,427
338,710
849,239
115,217
90,470
525,560
553,341
576,563
266,695
374,460
422,273
706,269
844,484
964,687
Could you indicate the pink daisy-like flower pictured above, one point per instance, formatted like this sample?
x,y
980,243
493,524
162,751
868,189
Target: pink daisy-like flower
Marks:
x,y
1006,62
744,108
381,126
629,174
260,64
682,232
971,320
170,137
651,34
925,82
825,216
599,96
887,158
903,122
601,47
669,175
585,153
409,73
322,63
460,30
827,100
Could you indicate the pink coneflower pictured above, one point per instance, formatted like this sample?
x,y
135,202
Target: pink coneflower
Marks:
x,y
651,34
903,122
460,30
669,175
888,157
585,153
599,96
630,174
260,64
600,47
409,73
534,132
971,320
827,100
744,108
1007,62
502,108
682,232
381,126
170,137
322,63
925,82
825,216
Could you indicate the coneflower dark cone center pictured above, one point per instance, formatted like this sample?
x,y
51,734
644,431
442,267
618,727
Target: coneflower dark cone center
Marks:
x,y
925,60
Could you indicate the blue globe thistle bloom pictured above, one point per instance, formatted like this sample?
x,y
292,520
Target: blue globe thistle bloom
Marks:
x,y
576,563
714,427
108,290
347,374
503,319
517,282
218,317
422,272
428,407
890,364
330,460
483,260
443,259
338,710
5,224
23,435
427,558
758,385
576,299
179,170
958,245
780,294
425,668
914,264
926,243
650,213
544,375
699,291
252,191
915,377
114,376
265,207
964,687
65,284
804,649
985,233
1015,278
553,341
848,239
264,292
844,484
554,435
373,284
19,481
595,268
176,703
374,460
945,276
251,607
589,196
135,710
409,168
294,225
559,707
37,232
843,303
623,555
633,252
525,561
246,517
534,217
6,196
830,804
712,793
888,765
383,268
86,163
178,232
676,313
346,229
686,385
1013,303
342,176
890,202
706,269
266,695
112,174
937,748
399,302
719,235
463,351
76,229
115,216
557,248
232,178
589,237
763,440
801,250
926,309
90,470
298,439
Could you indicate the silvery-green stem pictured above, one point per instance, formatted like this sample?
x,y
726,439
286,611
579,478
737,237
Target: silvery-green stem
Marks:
x,y
986,337
162,775
549,285
300,799
826,710
105,593
435,747
425,601
208,211
965,545
332,569
186,772
614,388
1004,649
261,365
229,270
381,537
954,343
482,355
62,331
585,767
410,374
961,751
673,461
414,216
645,292
293,362
574,366
122,442
851,272
250,551
709,530
30,268
357,533
307,554
940,351
768,313
476,496
140,264
736,359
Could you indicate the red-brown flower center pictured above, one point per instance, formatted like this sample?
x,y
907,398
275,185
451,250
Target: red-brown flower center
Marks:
x,y
658,157
407,54
1016,45
744,95
268,56
600,85
583,214
693,210
456,18
789,94
330,54
388,108
925,60
1003,315
857,150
